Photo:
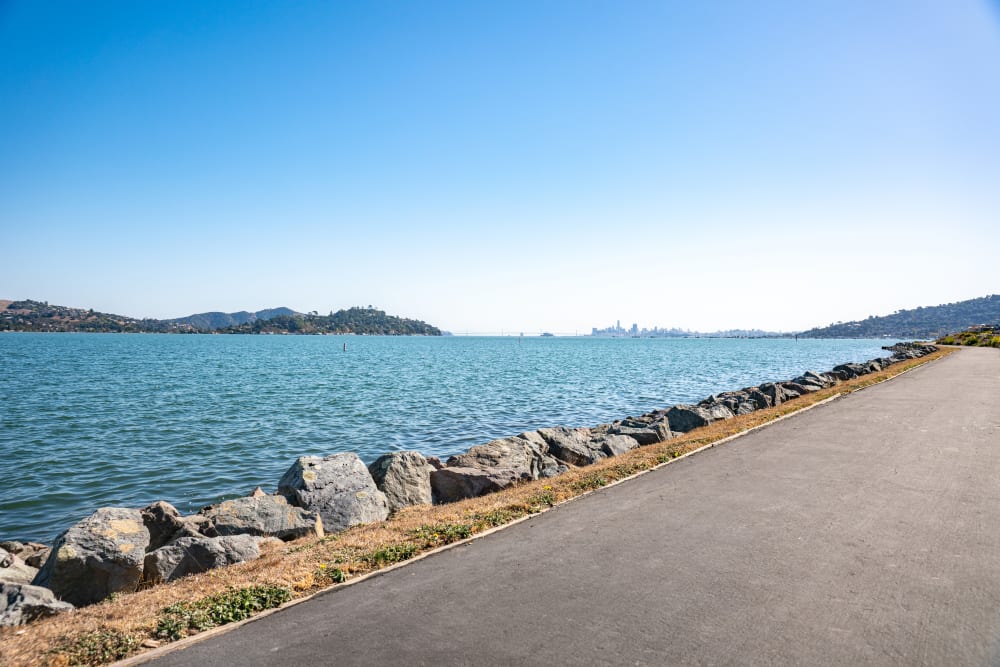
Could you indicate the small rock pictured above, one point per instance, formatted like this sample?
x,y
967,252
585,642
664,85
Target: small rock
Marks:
x,y
13,570
12,547
163,522
34,554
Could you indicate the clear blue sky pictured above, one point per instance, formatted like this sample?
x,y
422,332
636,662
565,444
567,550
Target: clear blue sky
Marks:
x,y
515,165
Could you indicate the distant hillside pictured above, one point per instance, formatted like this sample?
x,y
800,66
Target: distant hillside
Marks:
x,y
929,322
213,321
366,321
31,315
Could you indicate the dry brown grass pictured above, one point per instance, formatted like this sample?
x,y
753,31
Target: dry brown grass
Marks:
x,y
310,565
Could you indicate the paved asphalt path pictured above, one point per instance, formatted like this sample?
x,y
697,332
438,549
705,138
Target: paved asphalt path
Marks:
x,y
866,531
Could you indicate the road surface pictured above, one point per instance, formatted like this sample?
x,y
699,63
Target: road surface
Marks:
x,y
865,531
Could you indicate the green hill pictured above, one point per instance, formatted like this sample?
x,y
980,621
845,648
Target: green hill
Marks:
x,y
31,315
929,322
367,321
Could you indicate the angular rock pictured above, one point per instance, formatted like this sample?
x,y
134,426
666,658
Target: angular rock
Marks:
x,y
404,478
12,547
774,393
191,555
616,444
760,399
453,483
746,407
494,466
850,370
729,399
644,433
811,377
794,389
22,603
32,553
35,554
812,381
576,446
263,516
13,570
339,487
96,557
164,524
525,455
684,418
719,411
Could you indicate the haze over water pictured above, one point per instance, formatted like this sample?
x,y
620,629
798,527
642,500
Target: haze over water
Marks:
x,y
92,420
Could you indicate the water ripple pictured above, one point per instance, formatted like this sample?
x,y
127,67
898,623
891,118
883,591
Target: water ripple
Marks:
x,y
90,420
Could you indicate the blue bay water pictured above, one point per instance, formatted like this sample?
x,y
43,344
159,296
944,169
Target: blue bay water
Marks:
x,y
93,420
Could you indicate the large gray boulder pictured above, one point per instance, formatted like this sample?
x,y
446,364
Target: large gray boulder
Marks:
x,y
873,365
774,393
849,371
494,466
730,399
13,570
791,390
760,400
526,455
453,483
339,487
261,515
22,603
812,381
575,446
616,444
717,411
96,557
191,555
404,478
642,431
683,418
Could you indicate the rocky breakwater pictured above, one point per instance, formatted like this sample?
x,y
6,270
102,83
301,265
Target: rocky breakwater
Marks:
x,y
117,550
